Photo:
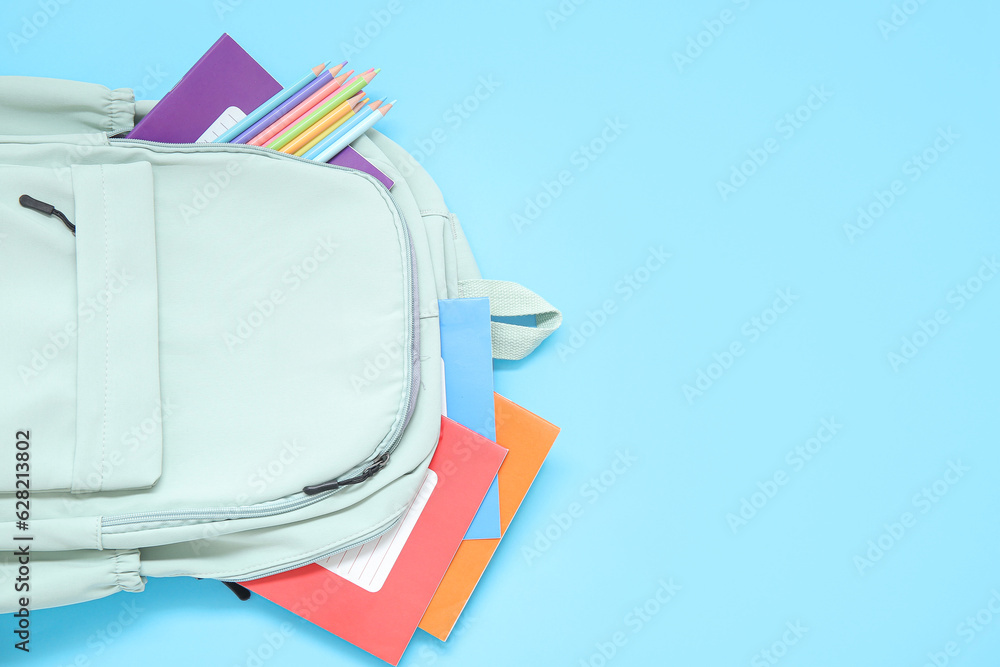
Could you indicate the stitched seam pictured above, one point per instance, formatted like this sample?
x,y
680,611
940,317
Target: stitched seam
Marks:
x,y
109,112
107,330
407,296
386,200
118,579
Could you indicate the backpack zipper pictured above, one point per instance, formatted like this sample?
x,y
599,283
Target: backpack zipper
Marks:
x,y
312,559
364,470
30,202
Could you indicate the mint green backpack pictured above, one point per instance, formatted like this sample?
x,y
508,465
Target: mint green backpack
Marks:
x,y
218,361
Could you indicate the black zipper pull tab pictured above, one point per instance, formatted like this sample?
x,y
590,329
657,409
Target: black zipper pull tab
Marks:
x,y
365,474
47,209
242,592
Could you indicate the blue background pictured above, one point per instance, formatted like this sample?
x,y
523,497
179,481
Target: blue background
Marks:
x,y
613,377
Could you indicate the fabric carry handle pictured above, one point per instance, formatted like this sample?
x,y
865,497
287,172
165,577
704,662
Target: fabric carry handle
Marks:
x,y
508,299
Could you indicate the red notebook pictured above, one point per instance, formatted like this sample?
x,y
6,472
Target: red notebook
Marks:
x,y
377,601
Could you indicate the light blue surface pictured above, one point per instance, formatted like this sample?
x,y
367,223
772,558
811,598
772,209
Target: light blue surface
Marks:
x,y
467,351
486,524
619,392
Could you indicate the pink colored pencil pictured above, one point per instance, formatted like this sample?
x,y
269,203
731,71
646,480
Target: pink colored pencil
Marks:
x,y
300,110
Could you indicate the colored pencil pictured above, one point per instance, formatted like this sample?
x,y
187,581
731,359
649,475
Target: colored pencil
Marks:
x,y
306,106
343,122
318,83
341,113
341,131
345,93
354,133
269,106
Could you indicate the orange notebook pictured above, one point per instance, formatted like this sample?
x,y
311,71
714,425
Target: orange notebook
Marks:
x,y
380,613
528,439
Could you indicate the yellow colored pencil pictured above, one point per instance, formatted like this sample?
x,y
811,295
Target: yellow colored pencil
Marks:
x,y
334,117
333,128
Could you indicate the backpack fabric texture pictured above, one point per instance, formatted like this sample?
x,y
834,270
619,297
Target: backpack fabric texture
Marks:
x,y
231,368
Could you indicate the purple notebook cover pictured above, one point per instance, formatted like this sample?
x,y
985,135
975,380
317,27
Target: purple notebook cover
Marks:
x,y
225,76
352,159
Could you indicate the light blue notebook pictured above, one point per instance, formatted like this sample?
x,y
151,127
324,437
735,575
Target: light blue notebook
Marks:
x,y
467,351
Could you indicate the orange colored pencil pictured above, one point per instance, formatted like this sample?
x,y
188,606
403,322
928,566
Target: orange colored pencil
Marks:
x,y
300,110
333,128
335,117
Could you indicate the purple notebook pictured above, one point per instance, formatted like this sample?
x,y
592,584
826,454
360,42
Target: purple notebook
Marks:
x,y
352,159
225,76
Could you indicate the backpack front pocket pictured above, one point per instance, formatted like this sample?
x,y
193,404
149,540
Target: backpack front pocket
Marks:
x,y
81,380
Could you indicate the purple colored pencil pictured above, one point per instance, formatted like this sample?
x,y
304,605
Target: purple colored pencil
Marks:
x,y
286,106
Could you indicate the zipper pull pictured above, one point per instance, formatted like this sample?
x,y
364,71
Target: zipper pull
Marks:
x,y
365,474
242,592
46,209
